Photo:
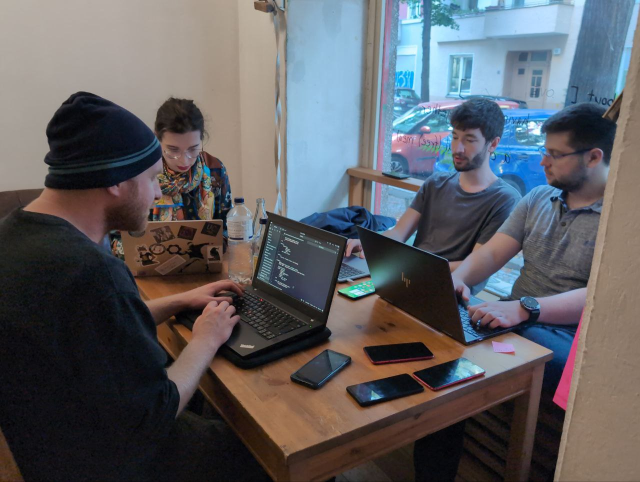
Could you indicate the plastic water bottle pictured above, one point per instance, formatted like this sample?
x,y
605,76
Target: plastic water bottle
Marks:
x,y
261,213
239,252
256,244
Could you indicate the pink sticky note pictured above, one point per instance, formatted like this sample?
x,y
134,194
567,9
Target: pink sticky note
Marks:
x,y
503,347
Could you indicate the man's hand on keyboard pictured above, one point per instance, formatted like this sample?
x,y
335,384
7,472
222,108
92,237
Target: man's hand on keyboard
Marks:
x,y
215,324
353,247
494,314
462,290
198,298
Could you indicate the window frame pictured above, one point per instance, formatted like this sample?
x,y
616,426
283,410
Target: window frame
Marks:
x,y
450,72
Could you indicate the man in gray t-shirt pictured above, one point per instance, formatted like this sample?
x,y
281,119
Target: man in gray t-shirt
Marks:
x,y
455,213
452,221
555,227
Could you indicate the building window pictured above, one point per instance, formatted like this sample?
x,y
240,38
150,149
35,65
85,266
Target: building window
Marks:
x,y
460,68
536,82
539,56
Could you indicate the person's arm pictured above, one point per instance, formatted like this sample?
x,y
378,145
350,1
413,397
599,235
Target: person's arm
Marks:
x,y
164,308
485,261
453,265
405,227
210,331
560,309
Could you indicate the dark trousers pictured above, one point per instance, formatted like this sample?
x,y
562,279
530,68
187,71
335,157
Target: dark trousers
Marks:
x,y
436,456
557,338
200,449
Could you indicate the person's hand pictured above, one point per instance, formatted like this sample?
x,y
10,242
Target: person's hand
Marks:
x,y
198,298
494,314
215,324
462,290
354,246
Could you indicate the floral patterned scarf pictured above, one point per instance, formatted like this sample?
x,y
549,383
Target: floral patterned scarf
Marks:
x,y
185,195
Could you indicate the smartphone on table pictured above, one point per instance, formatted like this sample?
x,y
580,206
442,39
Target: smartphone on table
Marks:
x,y
359,290
384,389
448,374
320,369
396,175
397,353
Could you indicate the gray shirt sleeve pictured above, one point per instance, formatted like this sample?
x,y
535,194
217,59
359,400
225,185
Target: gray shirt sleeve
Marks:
x,y
419,200
514,226
498,219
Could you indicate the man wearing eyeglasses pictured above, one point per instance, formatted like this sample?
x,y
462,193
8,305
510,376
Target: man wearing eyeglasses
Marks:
x,y
555,226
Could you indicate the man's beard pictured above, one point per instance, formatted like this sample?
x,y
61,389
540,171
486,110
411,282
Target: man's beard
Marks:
x,y
473,164
573,182
131,215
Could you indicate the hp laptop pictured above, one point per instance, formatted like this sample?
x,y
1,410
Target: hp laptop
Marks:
x,y
353,267
174,247
420,283
292,288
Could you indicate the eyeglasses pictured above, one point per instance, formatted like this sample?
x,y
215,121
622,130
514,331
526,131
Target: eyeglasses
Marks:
x,y
555,157
188,154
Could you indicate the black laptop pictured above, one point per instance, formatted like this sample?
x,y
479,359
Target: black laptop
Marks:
x,y
420,283
292,289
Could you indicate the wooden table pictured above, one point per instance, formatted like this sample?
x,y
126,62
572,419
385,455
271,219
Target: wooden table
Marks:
x,y
301,434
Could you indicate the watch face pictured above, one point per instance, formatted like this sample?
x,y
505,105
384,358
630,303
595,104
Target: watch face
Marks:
x,y
530,303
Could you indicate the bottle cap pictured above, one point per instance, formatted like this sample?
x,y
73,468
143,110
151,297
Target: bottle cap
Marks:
x,y
238,200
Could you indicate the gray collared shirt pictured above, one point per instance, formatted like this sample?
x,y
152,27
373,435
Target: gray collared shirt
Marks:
x,y
557,242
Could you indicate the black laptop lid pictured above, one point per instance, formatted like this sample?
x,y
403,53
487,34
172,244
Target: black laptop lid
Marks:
x,y
299,265
414,280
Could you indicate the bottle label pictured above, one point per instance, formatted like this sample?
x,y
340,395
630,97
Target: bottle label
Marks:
x,y
239,230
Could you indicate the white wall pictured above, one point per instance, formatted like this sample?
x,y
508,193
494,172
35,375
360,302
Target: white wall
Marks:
x,y
325,65
137,53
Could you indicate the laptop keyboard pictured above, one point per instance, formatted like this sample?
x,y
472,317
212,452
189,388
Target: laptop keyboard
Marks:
x,y
269,320
347,271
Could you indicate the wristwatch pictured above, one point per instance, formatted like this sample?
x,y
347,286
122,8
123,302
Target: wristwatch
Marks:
x,y
532,306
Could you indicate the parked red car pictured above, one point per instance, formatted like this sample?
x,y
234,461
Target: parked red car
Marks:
x,y
417,136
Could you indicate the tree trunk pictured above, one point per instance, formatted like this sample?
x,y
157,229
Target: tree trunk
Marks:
x,y
426,49
596,63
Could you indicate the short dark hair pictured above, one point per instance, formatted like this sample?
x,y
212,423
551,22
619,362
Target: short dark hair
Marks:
x,y
586,127
483,114
179,116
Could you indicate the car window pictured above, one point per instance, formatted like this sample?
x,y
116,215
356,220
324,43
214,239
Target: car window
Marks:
x,y
437,121
411,119
529,133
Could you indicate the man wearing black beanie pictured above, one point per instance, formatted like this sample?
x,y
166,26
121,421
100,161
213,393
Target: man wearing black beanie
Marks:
x,y
84,393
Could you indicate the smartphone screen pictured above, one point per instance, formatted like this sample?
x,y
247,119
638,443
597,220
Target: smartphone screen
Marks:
x,y
447,374
377,391
359,290
319,370
396,175
400,352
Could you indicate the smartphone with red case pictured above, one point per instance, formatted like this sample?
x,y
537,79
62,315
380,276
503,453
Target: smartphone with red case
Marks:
x,y
448,374
397,353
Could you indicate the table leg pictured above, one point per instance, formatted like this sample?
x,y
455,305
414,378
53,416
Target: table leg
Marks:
x,y
523,429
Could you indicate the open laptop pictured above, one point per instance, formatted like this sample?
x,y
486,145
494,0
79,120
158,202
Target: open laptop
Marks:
x,y
420,283
292,288
352,268
174,247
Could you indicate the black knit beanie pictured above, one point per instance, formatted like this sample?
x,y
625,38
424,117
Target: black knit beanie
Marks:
x,y
96,143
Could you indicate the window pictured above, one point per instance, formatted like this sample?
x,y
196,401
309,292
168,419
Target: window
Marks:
x,y
460,74
529,132
522,54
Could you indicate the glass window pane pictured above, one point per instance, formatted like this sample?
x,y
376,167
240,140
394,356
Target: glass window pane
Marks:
x,y
523,57
539,56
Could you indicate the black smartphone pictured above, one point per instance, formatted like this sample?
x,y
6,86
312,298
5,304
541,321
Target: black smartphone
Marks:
x,y
384,389
320,370
359,290
395,175
449,373
399,352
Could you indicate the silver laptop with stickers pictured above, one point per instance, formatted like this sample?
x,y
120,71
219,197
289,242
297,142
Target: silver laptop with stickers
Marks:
x,y
167,248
